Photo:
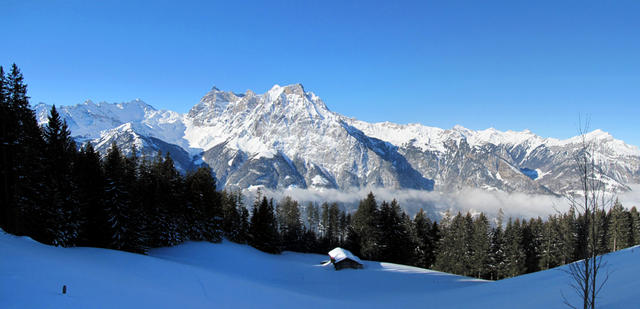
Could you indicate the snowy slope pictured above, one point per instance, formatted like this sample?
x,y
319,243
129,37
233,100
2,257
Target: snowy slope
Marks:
x,y
227,275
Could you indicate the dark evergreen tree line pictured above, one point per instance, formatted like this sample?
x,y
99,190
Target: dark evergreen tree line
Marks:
x,y
65,196
463,244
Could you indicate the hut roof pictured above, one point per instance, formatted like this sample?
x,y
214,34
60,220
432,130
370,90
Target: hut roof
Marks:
x,y
338,254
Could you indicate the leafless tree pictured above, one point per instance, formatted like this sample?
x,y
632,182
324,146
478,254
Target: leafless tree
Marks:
x,y
588,276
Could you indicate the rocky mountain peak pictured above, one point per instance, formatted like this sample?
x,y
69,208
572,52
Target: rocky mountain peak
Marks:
x,y
287,137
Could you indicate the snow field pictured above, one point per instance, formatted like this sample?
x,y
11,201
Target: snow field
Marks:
x,y
228,275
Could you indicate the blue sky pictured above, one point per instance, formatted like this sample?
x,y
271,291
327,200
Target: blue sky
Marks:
x,y
506,64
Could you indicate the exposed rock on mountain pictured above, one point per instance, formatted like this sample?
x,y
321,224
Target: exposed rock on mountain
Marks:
x,y
287,137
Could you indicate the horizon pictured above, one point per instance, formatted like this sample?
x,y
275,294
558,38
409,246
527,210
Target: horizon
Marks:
x,y
590,130
497,65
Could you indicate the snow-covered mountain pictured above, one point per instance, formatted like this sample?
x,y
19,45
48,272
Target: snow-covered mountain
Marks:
x,y
287,137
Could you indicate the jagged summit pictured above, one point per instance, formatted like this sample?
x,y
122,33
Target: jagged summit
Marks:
x,y
288,137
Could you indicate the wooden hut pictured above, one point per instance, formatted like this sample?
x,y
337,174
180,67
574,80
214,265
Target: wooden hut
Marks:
x,y
342,258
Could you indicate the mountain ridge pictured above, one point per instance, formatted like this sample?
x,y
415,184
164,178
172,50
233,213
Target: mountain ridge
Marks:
x,y
288,137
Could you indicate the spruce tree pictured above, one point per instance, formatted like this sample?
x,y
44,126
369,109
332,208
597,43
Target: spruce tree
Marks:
x,y
89,178
313,217
60,214
480,247
497,262
515,257
620,228
550,247
635,225
263,229
23,153
334,225
7,138
532,235
204,211
366,227
291,227
121,225
245,225
231,220
395,242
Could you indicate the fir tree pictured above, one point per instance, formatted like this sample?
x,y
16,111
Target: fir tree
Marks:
x,y
620,228
231,220
245,225
532,243
204,211
366,227
480,246
7,144
635,225
60,214
263,229
550,249
515,257
89,178
22,152
497,257
120,226
395,242
313,217
454,245
424,251
291,227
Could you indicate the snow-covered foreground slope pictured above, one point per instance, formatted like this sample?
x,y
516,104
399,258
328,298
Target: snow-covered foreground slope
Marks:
x,y
203,275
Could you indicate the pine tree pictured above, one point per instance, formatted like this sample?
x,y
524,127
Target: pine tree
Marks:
x,y
532,234
334,225
120,225
231,220
162,195
366,227
342,227
89,178
424,251
453,255
290,224
7,139
550,248
60,215
515,257
245,226
313,217
497,256
620,227
22,169
263,229
635,225
395,242
480,247
568,231
204,211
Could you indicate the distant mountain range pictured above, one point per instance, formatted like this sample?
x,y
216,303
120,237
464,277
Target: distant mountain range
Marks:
x,y
287,137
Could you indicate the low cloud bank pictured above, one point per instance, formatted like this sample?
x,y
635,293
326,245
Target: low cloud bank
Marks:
x,y
435,203
631,198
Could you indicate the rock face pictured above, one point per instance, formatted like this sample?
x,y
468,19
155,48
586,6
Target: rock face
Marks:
x,y
287,137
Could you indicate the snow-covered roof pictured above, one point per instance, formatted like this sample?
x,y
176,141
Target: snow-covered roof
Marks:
x,y
338,254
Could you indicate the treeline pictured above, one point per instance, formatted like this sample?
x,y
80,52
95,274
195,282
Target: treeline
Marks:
x,y
462,244
60,194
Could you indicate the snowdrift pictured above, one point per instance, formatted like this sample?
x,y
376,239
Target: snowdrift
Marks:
x,y
228,275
